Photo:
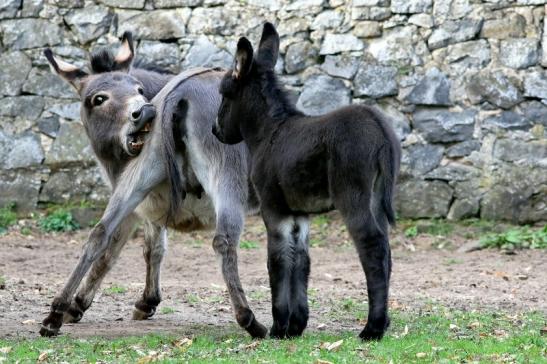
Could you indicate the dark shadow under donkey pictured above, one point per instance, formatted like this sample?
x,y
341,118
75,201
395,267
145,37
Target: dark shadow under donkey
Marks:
x,y
164,166
347,160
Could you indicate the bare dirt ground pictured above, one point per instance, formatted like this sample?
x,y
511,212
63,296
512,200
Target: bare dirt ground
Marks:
x,y
35,267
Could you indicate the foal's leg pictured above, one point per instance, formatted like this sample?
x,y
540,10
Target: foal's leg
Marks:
x,y
300,273
372,245
155,245
230,215
99,269
280,263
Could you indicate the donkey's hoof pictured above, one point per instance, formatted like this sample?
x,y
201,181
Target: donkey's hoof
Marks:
x,y
73,315
140,315
49,331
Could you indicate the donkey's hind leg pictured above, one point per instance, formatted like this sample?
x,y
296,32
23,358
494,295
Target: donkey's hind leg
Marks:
x,y
229,226
155,245
84,297
371,241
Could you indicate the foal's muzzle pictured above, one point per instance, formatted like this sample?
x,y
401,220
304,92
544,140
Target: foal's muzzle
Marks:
x,y
142,116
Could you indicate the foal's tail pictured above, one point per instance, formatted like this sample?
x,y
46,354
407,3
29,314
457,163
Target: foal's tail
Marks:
x,y
389,159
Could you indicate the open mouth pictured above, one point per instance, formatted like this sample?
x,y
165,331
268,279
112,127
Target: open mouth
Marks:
x,y
135,140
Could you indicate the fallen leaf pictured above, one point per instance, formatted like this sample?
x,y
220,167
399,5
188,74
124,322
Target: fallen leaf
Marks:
x,y
5,349
43,356
183,343
335,345
502,275
421,355
252,345
522,277
473,325
405,331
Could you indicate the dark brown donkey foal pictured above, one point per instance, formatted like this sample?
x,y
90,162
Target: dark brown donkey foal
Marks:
x,y
346,160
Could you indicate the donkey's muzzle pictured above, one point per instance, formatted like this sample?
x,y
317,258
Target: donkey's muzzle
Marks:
x,y
144,115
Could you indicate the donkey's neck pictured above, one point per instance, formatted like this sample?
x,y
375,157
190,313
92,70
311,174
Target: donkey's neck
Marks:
x,y
152,81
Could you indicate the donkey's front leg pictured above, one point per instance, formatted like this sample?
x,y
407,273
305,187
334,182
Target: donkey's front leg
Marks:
x,y
94,248
225,242
155,245
99,269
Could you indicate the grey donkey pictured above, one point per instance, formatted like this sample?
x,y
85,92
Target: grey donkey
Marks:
x,y
164,166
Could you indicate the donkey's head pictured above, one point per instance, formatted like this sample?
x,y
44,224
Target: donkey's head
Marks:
x,y
114,110
249,91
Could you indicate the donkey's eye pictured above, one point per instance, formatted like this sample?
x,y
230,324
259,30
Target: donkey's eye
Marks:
x,y
99,100
140,90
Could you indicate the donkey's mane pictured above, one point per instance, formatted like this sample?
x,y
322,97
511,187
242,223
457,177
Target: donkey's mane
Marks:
x,y
280,107
103,60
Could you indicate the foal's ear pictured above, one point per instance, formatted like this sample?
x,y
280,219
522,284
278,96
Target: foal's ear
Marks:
x,y
243,59
268,50
126,53
69,72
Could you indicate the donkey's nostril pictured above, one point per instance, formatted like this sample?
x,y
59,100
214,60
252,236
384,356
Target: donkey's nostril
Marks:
x,y
136,114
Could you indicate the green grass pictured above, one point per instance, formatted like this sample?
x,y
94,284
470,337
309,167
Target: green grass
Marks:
x,y
167,310
248,244
2,282
439,336
8,217
115,289
59,219
517,238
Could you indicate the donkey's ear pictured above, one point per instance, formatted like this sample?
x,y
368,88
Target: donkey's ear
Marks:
x,y
125,55
69,72
243,59
268,50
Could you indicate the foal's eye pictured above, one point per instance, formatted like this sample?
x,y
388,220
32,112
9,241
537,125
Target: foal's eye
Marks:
x,y
140,91
99,100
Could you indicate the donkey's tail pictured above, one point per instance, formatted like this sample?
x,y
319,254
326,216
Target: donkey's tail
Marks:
x,y
173,113
389,159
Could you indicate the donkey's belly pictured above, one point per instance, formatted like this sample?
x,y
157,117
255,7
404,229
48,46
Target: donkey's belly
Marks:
x,y
195,214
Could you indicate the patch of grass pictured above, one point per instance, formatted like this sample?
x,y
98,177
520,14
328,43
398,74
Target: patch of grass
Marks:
x,y
192,298
452,261
115,289
440,337
8,217
2,282
517,238
60,219
167,310
411,232
248,244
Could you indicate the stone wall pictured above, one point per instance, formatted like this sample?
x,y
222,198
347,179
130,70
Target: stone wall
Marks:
x,y
464,82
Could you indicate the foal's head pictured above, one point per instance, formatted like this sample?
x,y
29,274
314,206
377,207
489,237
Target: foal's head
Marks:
x,y
250,92
114,110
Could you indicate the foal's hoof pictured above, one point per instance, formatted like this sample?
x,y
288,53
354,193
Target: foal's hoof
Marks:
x,y
49,330
277,332
374,332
